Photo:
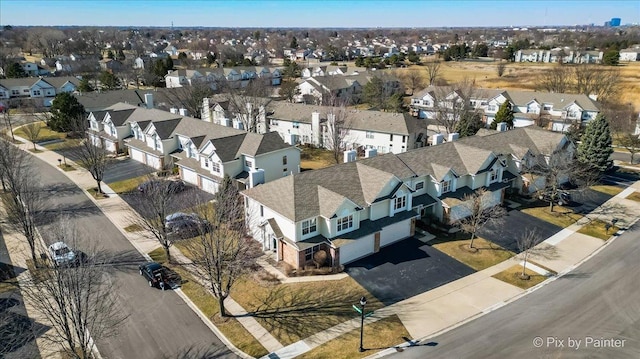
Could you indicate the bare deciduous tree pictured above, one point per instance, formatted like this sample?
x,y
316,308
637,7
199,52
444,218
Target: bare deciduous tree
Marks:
x,y
412,79
77,300
481,210
32,132
433,70
94,159
189,97
528,245
598,81
452,104
336,131
248,103
25,200
222,251
500,68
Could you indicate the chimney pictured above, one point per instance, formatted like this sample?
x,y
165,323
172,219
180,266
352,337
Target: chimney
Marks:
x,y
256,177
452,137
502,126
206,111
436,139
315,128
370,152
148,99
183,112
349,156
173,110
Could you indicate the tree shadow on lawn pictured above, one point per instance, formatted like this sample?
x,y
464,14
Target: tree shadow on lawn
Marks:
x,y
296,314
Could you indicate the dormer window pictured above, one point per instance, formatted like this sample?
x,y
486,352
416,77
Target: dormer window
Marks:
x,y
206,163
400,203
345,223
248,163
309,226
493,176
446,186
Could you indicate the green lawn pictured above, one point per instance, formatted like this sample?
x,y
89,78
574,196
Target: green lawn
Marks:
x,y
379,335
487,253
512,276
597,228
561,216
208,304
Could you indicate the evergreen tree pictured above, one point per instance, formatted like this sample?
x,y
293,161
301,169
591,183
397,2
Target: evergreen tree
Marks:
x,y
595,149
84,85
294,43
169,64
110,55
121,56
109,81
611,58
67,114
469,125
504,114
15,70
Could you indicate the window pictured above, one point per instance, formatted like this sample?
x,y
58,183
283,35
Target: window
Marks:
x,y
419,185
309,226
25,90
261,211
308,254
345,223
15,92
248,163
206,163
369,134
273,122
284,160
446,186
215,166
404,139
36,92
547,107
493,176
296,125
113,131
400,203
391,137
491,108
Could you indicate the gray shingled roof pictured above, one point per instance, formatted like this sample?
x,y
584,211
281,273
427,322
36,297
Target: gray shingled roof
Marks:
x,y
165,128
320,192
58,82
375,121
101,100
118,118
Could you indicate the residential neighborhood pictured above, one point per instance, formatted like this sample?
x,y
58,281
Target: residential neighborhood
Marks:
x,y
319,180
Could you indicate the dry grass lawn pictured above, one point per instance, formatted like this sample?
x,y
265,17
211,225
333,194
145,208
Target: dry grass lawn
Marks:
x,y
610,190
561,216
294,311
488,254
208,304
46,134
133,228
379,335
635,196
315,158
598,229
512,276
66,144
127,185
94,192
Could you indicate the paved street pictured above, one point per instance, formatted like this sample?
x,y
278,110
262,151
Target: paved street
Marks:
x,y
160,324
599,299
405,269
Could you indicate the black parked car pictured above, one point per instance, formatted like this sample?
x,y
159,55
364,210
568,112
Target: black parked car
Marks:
x,y
154,273
170,186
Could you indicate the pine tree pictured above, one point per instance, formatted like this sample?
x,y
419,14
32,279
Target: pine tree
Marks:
x,y
595,149
504,114
469,125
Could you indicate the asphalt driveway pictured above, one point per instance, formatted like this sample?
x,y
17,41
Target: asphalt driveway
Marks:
x,y
587,200
514,224
405,269
126,168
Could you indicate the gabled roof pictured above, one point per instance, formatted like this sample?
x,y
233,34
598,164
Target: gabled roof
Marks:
x,y
118,118
165,128
58,82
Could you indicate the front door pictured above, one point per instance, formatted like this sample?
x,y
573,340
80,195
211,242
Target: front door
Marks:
x,y
274,244
376,242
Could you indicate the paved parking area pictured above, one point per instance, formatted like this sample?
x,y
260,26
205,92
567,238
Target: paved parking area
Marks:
x,y
127,168
588,200
513,226
405,269
186,199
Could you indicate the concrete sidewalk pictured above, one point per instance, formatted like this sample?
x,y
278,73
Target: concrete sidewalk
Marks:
x,y
423,315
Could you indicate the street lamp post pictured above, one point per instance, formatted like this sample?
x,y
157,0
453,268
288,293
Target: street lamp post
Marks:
x,y
363,302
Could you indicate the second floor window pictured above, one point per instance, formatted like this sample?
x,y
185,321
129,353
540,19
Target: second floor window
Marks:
x,y
36,92
345,223
206,163
369,134
296,125
493,176
248,163
419,186
284,160
446,186
215,166
309,226
400,203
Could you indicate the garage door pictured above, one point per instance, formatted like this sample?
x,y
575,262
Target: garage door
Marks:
x,y
395,232
209,185
153,161
137,155
110,146
189,176
359,248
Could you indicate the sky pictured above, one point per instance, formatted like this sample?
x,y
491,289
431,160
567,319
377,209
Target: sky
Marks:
x,y
314,13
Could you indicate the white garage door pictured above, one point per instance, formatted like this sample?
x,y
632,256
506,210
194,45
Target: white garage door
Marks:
x,y
209,185
519,122
189,176
110,146
395,232
137,155
357,249
153,161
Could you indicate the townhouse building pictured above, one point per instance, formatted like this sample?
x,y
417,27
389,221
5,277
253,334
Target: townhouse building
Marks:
x,y
44,88
555,111
236,77
357,208
559,55
203,152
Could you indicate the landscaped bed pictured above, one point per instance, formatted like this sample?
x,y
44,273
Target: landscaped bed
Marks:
x,y
486,254
379,335
513,274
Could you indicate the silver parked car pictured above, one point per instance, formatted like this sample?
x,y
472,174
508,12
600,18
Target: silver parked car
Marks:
x,y
61,254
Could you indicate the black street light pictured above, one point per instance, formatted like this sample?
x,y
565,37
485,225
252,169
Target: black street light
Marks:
x,y
363,302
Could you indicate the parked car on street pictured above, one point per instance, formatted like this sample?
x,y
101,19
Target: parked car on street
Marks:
x,y
168,185
154,273
185,225
61,254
